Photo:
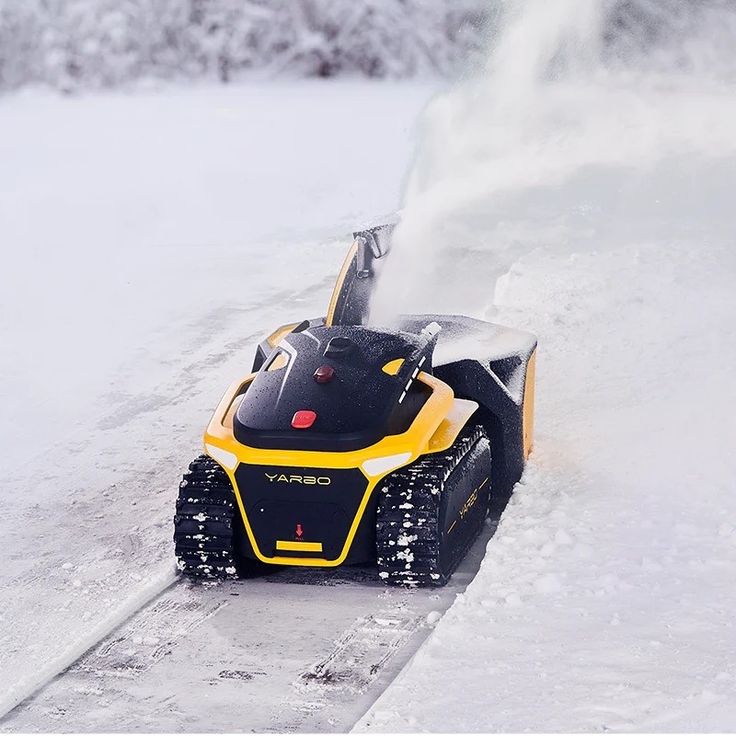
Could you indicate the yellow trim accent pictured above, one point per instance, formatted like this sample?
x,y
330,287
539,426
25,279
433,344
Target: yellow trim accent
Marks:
x,y
414,442
393,366
281,360
278,335
528,409
452,526
339,283
452,424
228,406
298,546
230,415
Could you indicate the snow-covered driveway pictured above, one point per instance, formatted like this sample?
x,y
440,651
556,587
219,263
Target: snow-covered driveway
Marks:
x,y
149,241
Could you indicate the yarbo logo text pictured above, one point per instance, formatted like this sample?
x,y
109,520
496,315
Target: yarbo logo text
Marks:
x,y
307,480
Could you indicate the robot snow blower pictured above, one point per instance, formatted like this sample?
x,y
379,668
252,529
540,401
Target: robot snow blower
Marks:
x,y
349,444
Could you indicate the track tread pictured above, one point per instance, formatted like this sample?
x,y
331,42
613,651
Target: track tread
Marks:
x,y
204,523
408,534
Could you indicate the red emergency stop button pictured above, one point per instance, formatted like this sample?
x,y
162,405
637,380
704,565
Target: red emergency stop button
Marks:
x,y
303,419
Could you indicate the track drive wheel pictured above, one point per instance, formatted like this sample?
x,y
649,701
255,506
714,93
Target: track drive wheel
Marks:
x,y
430,512
207,525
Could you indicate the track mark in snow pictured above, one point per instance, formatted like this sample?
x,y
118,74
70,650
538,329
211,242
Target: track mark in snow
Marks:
x,y
358,659
242,675
139,644
360,653
268,654
25,688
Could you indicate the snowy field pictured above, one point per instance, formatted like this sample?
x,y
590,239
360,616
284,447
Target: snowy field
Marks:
x,y
149,242
596,210
606,598
593,208
122,214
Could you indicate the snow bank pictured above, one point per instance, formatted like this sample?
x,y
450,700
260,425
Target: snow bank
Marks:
x,y
605,600
602,194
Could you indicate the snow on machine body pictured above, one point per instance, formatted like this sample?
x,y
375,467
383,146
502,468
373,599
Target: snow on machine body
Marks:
x,y
351,444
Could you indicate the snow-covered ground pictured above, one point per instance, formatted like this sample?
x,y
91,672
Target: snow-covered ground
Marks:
x,y
149,241
606,598
122,215
296,650
604,202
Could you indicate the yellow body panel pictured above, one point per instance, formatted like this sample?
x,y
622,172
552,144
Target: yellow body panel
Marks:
x,y
298,546
452,424
276,337
393,366
280,361
416,441
338,284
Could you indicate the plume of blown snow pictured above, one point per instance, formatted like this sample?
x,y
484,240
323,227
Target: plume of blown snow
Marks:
x,y
568,87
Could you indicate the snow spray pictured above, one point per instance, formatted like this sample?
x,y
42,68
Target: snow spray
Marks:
x,y
557,138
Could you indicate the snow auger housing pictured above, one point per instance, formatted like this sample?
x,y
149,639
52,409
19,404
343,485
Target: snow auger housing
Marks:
x,y
349,443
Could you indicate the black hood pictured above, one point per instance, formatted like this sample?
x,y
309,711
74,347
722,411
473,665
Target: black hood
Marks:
x,y
356,408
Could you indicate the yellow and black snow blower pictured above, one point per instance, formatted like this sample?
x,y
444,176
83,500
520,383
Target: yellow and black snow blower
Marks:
x,y
349,444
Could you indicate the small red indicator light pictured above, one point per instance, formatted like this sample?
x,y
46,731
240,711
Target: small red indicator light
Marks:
x,y
299,532
324,374
303,419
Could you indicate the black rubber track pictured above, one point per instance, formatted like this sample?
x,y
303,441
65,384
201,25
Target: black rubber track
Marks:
x,y
417,543
204,532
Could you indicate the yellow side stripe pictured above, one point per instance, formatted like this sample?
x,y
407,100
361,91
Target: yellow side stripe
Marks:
x,y
298,546
452,526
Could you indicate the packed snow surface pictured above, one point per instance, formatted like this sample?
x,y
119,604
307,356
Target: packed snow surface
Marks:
x,y
594,208
149,242
606,598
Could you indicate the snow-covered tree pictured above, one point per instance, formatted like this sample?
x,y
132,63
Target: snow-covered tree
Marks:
x,y
69,44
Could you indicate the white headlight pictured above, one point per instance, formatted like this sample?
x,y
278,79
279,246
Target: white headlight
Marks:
x,y
226,459
381,465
